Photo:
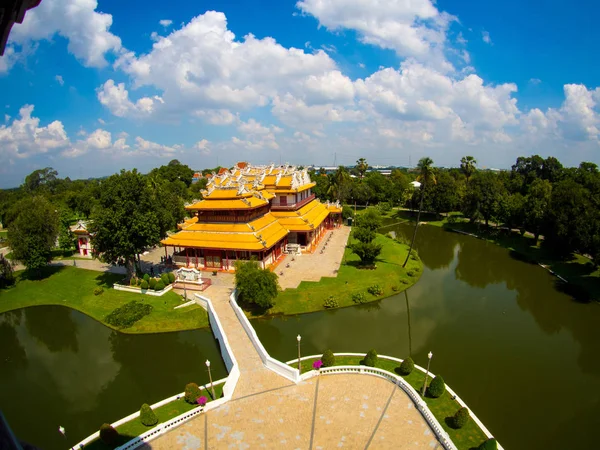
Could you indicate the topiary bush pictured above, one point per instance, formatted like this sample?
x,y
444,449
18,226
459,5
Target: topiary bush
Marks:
x,y
395,288
328,358
192,392
171,276
99,290
138,281
359,297
490,444
407,366
436,387
128,314
331,302
165,279
144,284
146,277
108,434
147,416
411,273
159,286
375,290
152,283
133,282
370,358
461,418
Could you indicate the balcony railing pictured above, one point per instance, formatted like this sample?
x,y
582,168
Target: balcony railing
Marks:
x,y
290,206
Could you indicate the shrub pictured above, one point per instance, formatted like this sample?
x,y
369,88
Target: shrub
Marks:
x,y
461,418
146,277
370,358
159,286
257,287
436,387
395,288
411,273
403,281
375,290
359,297
99,290
165,279
108,434
138,281
407,366
147,416
328,358
347,212
133,282
152,283
192,392
384,207
331,302
128,314
490,444
144,284
171,276
202,400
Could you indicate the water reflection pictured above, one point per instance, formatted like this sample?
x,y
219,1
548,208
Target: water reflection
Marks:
x,y
85,374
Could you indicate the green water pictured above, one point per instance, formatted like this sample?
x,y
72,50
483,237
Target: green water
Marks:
x,y
60,367
524,356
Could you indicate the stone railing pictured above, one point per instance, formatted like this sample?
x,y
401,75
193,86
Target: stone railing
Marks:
x,y
229,386
138,290
411,392
270,363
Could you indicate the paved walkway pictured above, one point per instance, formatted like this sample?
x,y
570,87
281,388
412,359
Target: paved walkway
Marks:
x,y
268,411
314,266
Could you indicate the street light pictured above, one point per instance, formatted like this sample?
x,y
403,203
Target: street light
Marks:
x,y
429,355
299,338
210,378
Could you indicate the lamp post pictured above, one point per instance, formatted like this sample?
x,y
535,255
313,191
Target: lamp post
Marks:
x,y
429,355
212,389
299,338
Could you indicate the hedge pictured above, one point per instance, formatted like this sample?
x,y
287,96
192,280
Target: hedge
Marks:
x,y
128,314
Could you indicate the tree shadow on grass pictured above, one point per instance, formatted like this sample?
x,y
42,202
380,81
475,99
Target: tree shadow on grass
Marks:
x,y
40,274
107,279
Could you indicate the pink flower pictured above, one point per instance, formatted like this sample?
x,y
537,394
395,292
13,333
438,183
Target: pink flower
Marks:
x,y
201,400
317,364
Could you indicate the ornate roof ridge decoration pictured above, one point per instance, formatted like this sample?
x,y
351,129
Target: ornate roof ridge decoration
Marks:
x,y
305,176
245,201
296,182
278,178
242,190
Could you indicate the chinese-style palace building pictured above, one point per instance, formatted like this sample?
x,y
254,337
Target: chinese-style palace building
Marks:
x,y
252,212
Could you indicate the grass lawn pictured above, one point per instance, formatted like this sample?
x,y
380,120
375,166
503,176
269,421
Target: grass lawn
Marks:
x,y
389,275
73,287
3,234
134,427
443,408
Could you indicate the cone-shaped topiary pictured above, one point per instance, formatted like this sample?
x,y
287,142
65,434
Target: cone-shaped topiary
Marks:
x,y
436,387
370,358
192,392
108,434
133,282
171,277
152,283
165,279
490,444
407,366
146,277
461,418
147,416
159,286
144,284
328,358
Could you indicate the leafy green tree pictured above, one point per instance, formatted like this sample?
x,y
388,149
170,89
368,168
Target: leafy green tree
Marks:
x,y
7,276
443,196
427,176
32,235
361,167
468,166
370,219
168,201
256,287
125,221
41,179
537,204
364,235
484,195
340,185
66,238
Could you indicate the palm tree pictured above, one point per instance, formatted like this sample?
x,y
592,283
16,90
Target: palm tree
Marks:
x,y
361,167
426,176
467,166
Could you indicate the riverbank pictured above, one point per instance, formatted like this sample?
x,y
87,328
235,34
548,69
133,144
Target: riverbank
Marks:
x,y
389,276
443,408
74,288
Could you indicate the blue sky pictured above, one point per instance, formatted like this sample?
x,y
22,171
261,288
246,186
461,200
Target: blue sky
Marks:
x,y
90,88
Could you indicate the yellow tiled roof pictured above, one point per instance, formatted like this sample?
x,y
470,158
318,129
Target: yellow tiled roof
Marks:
x,y
334,209
307,218
187,222
220,193
267,232
246,203
304,187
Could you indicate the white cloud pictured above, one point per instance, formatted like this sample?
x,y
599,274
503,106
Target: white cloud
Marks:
x,y
59,80
101,121
144,147
116,98
361,65
217,117
534,81
415,29
203,147
485,35
165,22
460,39
86,29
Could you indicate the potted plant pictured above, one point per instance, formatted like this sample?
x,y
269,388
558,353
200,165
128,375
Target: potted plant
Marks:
x,y
214,273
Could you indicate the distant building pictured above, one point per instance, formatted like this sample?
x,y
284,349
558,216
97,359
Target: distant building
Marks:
x,y
197,177
84,245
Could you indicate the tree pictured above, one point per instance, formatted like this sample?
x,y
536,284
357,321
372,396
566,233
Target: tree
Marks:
x,y
427,175
361,167
7,276
125,222
65,235
340,184
484,195
536,207
44,179
32,235
256,287
364,235
443,196
468,166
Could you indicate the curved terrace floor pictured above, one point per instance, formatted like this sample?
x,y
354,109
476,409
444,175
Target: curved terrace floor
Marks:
x,y
330,411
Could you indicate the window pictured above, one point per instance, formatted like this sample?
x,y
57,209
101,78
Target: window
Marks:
x,y
283,200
